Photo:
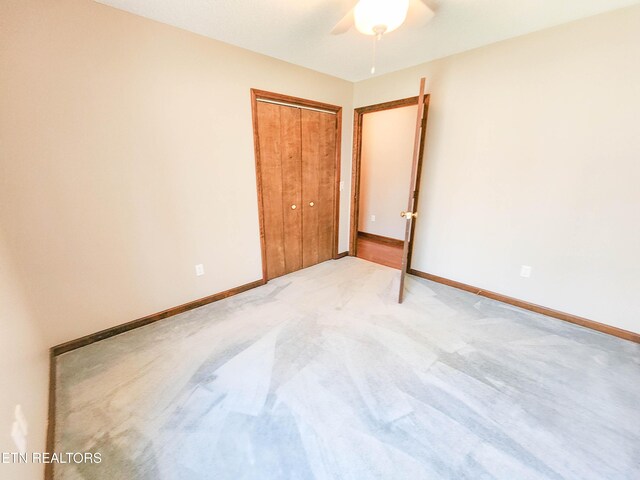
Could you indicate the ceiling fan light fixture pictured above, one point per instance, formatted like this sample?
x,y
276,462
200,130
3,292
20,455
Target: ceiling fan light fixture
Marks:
x,y
373,17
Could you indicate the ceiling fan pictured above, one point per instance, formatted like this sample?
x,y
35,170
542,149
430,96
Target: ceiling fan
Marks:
x,y
377,17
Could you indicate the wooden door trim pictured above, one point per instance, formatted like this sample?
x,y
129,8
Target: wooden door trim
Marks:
x,y
336,184
256,95
294,101
358,115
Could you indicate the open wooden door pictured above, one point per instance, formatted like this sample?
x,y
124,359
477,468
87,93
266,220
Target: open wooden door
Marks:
x,y
411,214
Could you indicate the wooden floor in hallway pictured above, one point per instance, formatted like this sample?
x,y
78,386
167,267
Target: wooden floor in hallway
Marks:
x,y
381,250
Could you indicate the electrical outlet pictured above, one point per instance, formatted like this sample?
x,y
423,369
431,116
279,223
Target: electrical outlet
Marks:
x,y
525,271
199,269
373,218
341,186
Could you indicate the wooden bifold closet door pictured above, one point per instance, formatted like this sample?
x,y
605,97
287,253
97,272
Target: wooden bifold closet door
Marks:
x,y
297,173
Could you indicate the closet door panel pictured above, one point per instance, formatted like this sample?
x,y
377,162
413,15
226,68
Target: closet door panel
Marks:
x,y
310,186
326,185
269,134
297,179
291,187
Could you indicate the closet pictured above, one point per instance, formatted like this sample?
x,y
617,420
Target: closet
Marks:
x,y
296,161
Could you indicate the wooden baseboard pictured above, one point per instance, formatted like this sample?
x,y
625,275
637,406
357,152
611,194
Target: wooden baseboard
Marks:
x,y
394,242
125,327
341,255
110,332
567,317
51,423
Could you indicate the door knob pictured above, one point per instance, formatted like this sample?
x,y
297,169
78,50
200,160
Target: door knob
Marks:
x,y
409,215
311,204
293,207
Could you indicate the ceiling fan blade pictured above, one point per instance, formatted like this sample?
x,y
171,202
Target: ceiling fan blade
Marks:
x,y
344,25
419,13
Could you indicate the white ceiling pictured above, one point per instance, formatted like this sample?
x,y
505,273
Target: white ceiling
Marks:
x,y
297,31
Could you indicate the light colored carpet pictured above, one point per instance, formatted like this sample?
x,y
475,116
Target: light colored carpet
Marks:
x,y
321,374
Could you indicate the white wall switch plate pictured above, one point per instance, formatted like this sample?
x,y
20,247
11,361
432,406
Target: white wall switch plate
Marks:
x,y
525,271
341,186
199,269
373,218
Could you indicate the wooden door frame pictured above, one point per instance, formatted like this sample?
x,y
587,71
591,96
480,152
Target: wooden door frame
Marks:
x,y
358,115
256,95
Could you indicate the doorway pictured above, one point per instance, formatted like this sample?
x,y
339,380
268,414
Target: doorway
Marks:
x,y
297,151
382,162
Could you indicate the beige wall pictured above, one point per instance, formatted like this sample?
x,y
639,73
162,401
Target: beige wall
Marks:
x,y
533,151
127,150
24,374
126,158
385,170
